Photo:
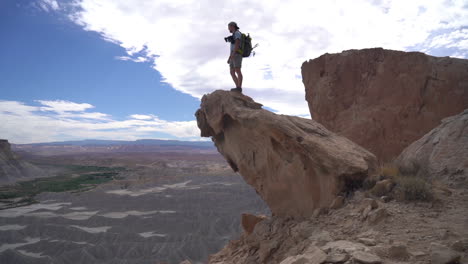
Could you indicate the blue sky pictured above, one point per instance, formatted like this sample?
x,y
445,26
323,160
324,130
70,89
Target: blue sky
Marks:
x,y
132,69
48,57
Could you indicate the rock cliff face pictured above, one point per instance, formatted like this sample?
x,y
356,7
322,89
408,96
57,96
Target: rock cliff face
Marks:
x,y
443,152
384,100
294,164
12,168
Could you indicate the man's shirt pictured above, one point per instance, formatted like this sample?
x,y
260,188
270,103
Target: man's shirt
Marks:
x,y
236,35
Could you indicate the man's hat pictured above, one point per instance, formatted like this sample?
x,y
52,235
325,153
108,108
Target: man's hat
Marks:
x,y
232,23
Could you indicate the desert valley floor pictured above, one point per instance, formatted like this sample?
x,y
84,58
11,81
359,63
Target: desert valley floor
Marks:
x,y
164,208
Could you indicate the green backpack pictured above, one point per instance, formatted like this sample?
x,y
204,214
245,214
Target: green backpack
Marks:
x,y
246,45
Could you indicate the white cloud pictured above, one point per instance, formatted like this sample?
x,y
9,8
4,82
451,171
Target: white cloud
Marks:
x,y
48,5
63,120
92,115
454,39
460,55
61,106
128,58
142,117
184,38
67,109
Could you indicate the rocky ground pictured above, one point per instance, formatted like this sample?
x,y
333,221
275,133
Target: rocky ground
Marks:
x,y
363,230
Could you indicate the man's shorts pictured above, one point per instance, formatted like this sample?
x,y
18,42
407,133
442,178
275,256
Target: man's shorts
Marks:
x,y
236,61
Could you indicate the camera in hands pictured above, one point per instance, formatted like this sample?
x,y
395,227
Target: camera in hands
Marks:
x,y
229,39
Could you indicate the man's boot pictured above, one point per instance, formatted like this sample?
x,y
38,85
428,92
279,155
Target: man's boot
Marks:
x,y
238,89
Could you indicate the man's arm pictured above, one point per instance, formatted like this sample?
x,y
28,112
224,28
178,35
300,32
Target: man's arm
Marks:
x,y
236,47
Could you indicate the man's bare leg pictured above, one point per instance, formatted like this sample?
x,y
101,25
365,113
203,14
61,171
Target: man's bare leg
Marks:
x,y
239,77
234,77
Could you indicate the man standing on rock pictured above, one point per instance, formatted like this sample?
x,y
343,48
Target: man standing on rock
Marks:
x,y
235,57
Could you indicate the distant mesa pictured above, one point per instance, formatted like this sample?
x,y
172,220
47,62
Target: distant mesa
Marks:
x,y
115,146
296,165
4,145
146,142
383,99
12,168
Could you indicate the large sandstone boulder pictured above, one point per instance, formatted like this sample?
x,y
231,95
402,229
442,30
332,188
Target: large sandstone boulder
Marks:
x,y
295,164
382,99
441,152
249,221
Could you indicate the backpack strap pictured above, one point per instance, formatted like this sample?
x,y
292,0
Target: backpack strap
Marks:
x,y
242,44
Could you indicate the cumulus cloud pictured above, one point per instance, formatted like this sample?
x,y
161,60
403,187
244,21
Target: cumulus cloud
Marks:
x,y
67,109
48,5
454,39
64,120
184,38
61,106
128,58
141,117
